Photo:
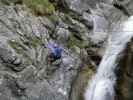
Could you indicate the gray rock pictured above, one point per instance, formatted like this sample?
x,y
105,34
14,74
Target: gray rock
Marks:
x,y
47,23
24,71
62,35
125,5
87,19
8,2
84,5
23,64
100,29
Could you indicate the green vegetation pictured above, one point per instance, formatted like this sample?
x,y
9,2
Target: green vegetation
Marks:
x,y
31,41
40,7
53,18
73,41
66,18
17,46
25,43
20,49
81,82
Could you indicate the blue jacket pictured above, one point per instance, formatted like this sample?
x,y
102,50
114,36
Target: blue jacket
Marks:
x,y
55,50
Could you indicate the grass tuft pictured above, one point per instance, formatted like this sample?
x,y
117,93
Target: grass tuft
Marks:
x,y
40,7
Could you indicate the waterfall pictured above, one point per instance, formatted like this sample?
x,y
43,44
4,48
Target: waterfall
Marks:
x,y
102,84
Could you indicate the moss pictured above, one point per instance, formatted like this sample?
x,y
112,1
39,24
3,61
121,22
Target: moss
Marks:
x,y
20,49
41,7
81,83
74,15
73,41
26,46
16,46
31,41
26,40
53,18
28,61
67,19
35,42
85,75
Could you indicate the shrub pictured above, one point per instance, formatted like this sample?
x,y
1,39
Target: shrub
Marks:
x,y
40,7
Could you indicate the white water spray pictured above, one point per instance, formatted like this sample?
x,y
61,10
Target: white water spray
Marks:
x,y
102,84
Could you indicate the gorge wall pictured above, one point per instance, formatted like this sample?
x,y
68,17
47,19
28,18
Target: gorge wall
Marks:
x,y
80,27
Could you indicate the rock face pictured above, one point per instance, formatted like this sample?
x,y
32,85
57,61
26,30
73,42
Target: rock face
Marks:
x,y
24,72
124,72
82,32
84,5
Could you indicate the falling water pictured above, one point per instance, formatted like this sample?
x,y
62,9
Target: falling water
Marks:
x,y
102,84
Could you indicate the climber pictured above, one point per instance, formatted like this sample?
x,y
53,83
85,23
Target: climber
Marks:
x,y
54,52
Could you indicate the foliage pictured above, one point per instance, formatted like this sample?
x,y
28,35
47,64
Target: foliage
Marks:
x,y
53,18
24,45
73,41
31,41
41,7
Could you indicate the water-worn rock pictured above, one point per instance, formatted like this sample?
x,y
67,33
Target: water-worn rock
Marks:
x,y
24,72
84,5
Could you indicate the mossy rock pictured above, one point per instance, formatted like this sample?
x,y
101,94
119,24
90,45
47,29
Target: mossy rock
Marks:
x,y
21,50
40,7
81,83
53,18
73,41
24,44
8,2
16,46
31,40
